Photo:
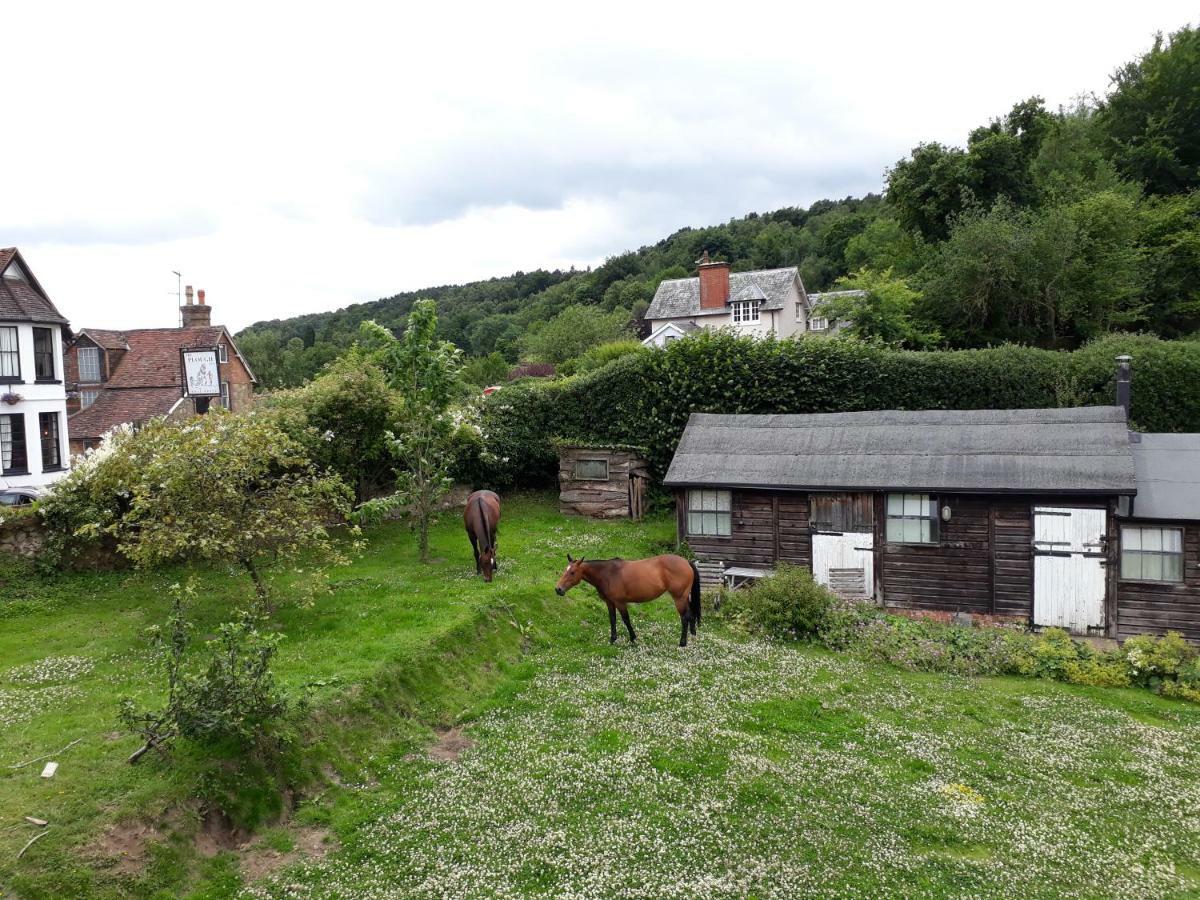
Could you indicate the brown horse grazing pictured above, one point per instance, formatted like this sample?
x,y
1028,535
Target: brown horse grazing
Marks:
x,y
481,517
620,583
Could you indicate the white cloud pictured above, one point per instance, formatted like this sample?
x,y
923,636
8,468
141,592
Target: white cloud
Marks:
x,y
294,158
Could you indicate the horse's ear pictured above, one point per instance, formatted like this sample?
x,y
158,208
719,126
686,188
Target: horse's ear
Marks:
x,y
569,560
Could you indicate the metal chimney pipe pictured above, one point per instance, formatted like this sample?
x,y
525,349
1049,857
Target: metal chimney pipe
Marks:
x,y
1124,384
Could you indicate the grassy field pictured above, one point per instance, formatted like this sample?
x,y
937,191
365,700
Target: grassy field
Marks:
x,y
731,768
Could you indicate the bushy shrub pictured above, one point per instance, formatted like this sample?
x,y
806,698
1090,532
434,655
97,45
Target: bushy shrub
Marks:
x,y
644,399
1153,660
602,355
787,605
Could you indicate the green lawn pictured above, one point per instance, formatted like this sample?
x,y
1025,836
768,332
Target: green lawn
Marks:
x,y
731,768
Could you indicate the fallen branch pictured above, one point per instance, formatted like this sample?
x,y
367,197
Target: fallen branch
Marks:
x,y
30,762
37,837
154,743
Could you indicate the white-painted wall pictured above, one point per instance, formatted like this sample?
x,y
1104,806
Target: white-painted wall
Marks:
x,y
37,398
783,322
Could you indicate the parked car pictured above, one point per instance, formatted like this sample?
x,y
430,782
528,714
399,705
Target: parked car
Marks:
x,y
18,496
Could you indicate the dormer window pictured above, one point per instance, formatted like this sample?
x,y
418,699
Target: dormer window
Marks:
x,y
745,312
89,365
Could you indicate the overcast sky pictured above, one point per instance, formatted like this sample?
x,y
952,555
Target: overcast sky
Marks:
x,y
293,158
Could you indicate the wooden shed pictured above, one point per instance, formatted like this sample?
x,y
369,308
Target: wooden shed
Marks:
x,y
604,482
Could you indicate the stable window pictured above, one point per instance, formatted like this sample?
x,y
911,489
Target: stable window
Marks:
x,y
1151,554
745,311
13,460
87,398
10,358
818,323
43,354
89,364
912,519
709,513
591,470
51,450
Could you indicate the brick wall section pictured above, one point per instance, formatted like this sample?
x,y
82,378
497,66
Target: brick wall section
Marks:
x,y
714,285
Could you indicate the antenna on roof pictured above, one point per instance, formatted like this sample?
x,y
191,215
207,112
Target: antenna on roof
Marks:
x,y
178,296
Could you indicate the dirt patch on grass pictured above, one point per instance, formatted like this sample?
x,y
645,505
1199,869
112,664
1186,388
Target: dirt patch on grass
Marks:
x,y
259,861
450,744
218,833
126,844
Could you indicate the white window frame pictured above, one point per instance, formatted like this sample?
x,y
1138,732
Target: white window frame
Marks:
x,y
709,513
222,353
1146,551
84,402
911,519
10,353
90,351
746,312
818,323
225,394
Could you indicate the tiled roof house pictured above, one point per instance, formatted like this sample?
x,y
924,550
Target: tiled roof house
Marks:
x,y
119,377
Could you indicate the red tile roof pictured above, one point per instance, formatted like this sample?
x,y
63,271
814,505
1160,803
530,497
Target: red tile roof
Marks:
x,y
153,357
116,407
24,301
109,340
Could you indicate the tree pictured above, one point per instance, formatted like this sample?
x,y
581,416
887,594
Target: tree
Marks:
x,y
216,488
426,371
574,331
486,370
884,311
1151,120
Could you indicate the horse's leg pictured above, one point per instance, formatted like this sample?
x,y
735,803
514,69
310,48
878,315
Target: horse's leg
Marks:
x,y
495,553
612,623
628,624
475,550
685,617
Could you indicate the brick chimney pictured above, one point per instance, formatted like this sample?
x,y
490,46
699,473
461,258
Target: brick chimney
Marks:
x,y
714,283
195,315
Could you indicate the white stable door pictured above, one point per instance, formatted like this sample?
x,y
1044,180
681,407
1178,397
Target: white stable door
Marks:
x,y
1068,568
844,563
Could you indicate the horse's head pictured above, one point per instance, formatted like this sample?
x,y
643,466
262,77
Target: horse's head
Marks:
x,y
487,562
571,576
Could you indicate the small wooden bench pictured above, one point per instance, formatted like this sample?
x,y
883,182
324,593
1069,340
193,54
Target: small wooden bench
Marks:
x,y
739,576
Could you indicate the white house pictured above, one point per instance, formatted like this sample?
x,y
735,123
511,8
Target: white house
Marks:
x,y
756,303
33,399
818,320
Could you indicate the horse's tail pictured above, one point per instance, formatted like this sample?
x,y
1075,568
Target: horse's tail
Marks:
x,y
695,603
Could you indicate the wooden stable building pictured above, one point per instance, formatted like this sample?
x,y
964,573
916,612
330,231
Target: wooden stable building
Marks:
x,y
604,482
1051,517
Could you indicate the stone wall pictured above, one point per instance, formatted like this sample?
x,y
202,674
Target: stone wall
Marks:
x,y
21,535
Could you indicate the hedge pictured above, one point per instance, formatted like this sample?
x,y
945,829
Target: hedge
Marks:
x,y
645,399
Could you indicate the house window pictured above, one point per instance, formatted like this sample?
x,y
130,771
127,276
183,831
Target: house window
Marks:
x,y
709,513
89,364
225,394
668,338
10,359
745,311
13,460
87,398
591,470
912,519
818,323
51,452
1151,554
43,354
799,310
222,353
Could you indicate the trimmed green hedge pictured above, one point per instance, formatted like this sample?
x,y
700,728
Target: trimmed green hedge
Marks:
x,y
645,399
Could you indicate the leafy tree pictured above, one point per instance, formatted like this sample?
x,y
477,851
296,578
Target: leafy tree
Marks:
x,y
573,332
883,244
884,311
486,370
216,488
1151,120
426,371
1170,244
1070,163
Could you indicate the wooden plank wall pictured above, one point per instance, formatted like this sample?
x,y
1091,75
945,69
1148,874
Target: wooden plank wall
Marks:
x,y
752,527
598,499
1012,542
795,538
1147,608
955,575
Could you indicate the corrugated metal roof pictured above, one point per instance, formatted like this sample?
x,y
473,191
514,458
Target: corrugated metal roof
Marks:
x,y
1083,450
679,297
1168,476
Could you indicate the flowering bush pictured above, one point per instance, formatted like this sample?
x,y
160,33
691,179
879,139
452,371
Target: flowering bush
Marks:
x,y
788,604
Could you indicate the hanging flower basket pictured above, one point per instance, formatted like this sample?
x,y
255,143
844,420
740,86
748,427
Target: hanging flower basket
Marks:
x,y
11,399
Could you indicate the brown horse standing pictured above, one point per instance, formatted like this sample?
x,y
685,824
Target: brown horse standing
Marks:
x,y
620,583
481,517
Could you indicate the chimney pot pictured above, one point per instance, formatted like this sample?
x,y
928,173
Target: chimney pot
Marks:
x,y
200,296
187,292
